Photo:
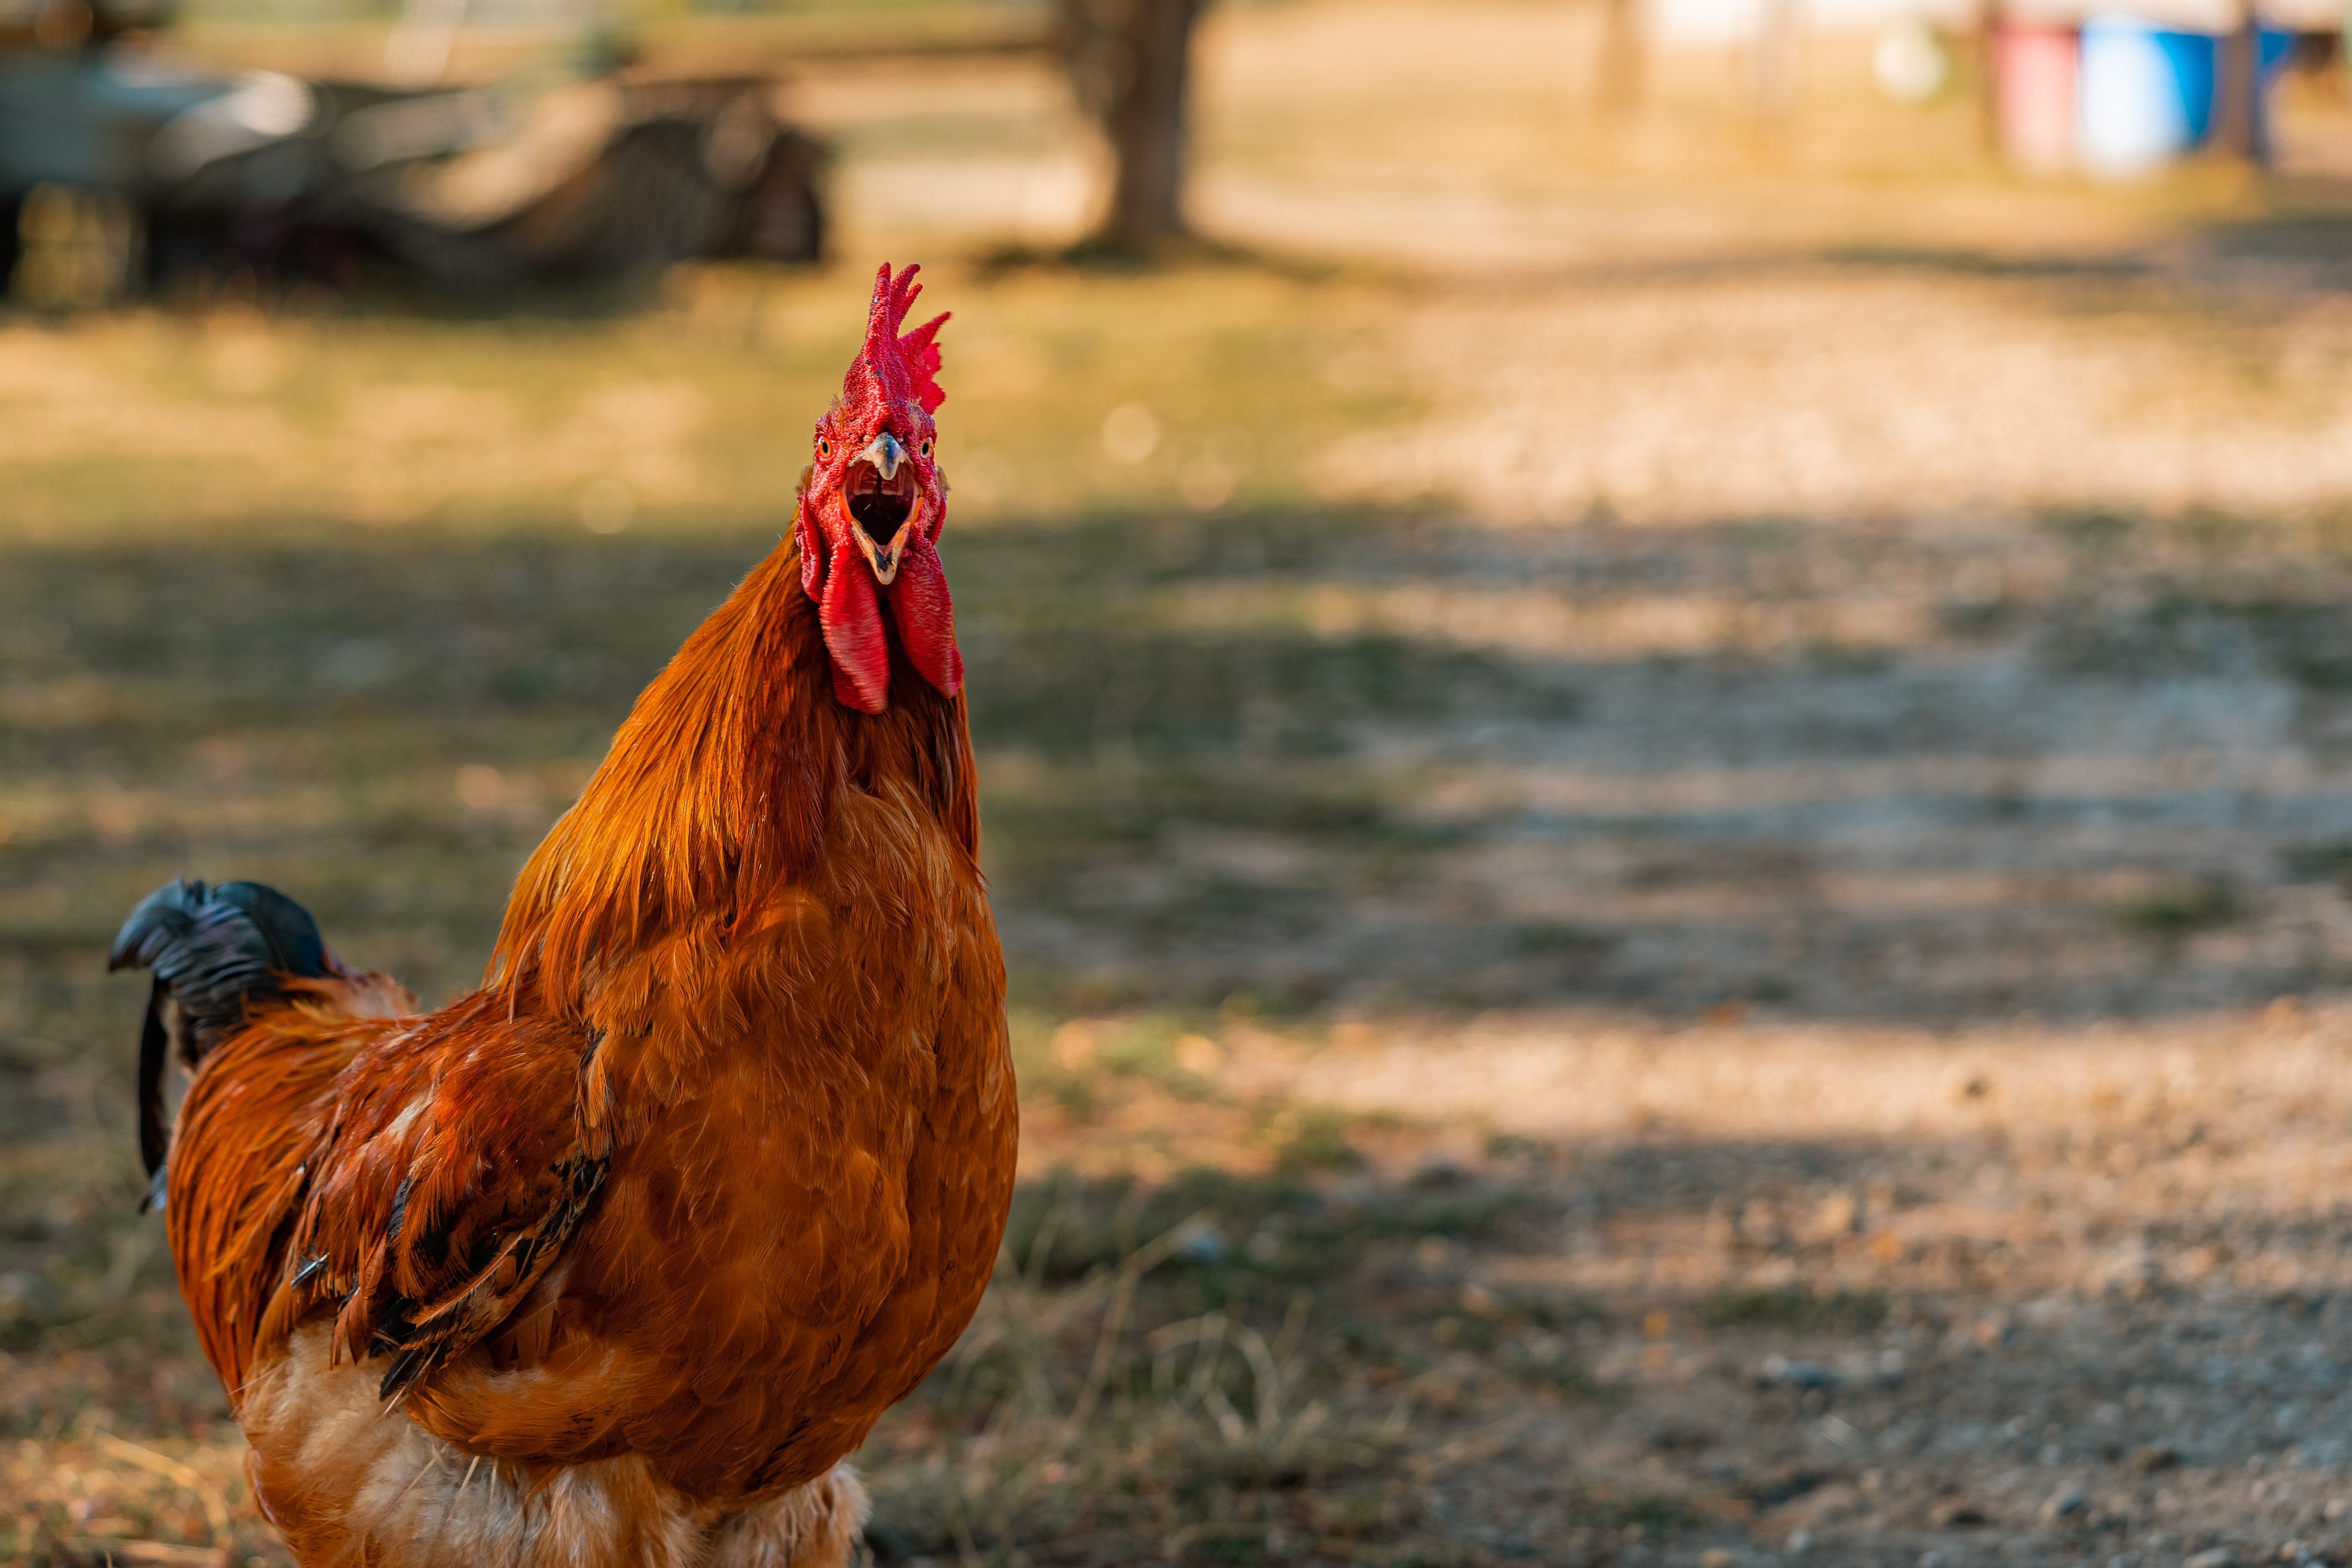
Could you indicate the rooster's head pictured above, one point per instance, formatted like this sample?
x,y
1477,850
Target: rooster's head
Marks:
x,y
871,507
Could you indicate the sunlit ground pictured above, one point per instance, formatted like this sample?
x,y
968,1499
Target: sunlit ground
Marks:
x,y
1652,790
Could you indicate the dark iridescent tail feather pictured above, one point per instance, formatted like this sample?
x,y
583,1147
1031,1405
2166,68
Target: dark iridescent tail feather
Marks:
x,y
215,952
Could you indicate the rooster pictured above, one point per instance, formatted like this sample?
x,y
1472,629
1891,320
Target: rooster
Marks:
x,y
613,1260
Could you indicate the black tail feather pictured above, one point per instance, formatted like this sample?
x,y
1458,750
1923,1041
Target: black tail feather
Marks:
x,y
154,1045
214,951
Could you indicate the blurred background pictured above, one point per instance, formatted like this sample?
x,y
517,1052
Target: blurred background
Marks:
x,y
1665,690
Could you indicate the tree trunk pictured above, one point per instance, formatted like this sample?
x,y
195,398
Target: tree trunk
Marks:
x,y
1621,66
1989,19
1130,65
2237,94
1772,67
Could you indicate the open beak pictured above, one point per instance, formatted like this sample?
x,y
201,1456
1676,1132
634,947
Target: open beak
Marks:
x,y
879,496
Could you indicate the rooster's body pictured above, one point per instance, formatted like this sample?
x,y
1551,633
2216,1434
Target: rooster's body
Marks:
x,y
613,1260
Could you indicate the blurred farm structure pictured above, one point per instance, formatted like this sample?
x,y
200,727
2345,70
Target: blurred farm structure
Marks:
x,y
524,141
557,153
122,166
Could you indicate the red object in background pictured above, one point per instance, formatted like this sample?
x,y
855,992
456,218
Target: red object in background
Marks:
x,y
2033,75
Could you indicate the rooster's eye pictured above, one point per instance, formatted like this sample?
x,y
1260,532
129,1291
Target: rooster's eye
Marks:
x,y
823,448
927,445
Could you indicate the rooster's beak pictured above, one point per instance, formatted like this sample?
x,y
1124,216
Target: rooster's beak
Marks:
x,y
884,453
886,457
883,558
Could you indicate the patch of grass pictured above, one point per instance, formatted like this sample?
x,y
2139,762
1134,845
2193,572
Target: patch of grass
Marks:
x,y
2327,862
1848,658
1149,1046
1653,1513
1787,1486
1273,1227
1979,619
1111,1409
1370,1341
1466,1331
2089,528
1840,1312
2173,624
1310,1137
2303,639
1067,1227
1435,1554
1457,1215
1549,1309
1561,1372
1561,937
2180,910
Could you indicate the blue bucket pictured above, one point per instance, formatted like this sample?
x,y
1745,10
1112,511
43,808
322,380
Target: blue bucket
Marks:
x,y
2146,94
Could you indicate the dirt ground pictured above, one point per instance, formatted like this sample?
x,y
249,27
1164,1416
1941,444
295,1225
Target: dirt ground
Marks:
x,y
1851,1293
1677,855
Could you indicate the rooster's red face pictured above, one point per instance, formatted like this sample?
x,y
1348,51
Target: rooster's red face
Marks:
x,y
871,507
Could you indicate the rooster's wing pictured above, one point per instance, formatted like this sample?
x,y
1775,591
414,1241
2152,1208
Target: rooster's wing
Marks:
x,y
420,1175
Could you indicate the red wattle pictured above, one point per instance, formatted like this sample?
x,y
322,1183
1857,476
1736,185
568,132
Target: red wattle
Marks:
x,y
812,544
926,618
852,619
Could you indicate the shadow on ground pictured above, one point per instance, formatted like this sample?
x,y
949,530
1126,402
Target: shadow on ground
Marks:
x,y
1336,758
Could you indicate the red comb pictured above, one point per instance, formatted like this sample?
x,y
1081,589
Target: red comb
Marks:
x,y
902,367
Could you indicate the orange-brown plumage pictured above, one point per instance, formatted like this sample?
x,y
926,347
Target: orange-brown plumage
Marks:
x,y
615,1258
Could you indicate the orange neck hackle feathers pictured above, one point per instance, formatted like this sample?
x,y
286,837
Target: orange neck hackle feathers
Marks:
x,y
718,791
